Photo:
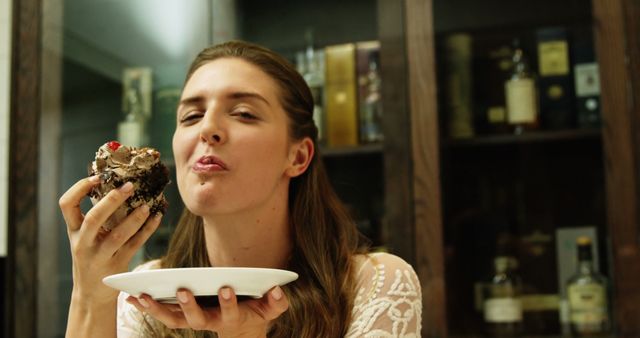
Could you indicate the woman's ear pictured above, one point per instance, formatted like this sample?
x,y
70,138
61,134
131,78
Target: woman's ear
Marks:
x,y
300,156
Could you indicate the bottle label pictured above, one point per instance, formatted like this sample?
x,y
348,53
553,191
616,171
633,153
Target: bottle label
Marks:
x,y
587,79
553,58
521,101
587,303
503,310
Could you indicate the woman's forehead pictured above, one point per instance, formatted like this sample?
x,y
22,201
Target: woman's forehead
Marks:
x,y
232,77
231,72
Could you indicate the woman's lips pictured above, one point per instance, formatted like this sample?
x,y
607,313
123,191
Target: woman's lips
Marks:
x,y
209,164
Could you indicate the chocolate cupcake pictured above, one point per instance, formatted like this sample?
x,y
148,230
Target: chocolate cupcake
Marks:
x,y
116,165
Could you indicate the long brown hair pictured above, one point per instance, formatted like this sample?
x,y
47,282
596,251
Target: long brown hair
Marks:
x,y
324,235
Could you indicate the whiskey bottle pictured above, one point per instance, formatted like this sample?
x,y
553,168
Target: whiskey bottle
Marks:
x,y
587,294
371,109
521,94
502,304
313,74
555,85
133,130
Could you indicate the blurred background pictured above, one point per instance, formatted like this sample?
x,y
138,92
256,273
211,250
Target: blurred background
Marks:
x,y
478,140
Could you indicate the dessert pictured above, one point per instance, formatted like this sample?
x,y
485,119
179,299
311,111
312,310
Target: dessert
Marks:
x,y
117,164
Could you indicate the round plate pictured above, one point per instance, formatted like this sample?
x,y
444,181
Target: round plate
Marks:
x,y
162,284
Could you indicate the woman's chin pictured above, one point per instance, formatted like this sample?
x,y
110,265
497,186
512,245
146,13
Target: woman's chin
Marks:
x,y
202,196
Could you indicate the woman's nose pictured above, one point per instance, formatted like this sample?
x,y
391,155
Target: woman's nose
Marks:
x,y
212,130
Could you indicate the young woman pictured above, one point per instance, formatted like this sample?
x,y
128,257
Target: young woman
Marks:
x,y
255,195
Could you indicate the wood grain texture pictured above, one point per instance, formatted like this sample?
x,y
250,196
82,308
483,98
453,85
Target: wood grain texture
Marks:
x,y
398,225
25,108
619,137
632,30
48,188
426,163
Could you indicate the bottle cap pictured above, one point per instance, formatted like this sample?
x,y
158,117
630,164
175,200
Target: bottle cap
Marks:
x,y
583,240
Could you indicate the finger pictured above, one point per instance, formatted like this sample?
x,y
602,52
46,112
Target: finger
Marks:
x,y
114,240
136,241
193,313
98,215
229,306
161,312
70,201
271,306
277,303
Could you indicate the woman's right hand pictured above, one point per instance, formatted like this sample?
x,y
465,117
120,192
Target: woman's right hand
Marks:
x,y
95,253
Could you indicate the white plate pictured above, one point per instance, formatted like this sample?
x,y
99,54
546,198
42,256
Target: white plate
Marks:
x,y
162,284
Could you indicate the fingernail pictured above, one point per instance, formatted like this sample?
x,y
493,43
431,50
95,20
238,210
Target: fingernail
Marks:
x,y
158,215
144,208
127,187
143,302
225,293
182,297
94,179
276,293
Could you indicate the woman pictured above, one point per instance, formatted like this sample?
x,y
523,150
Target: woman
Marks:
x,y
256,195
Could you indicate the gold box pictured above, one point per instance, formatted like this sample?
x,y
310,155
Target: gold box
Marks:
x,y
341,95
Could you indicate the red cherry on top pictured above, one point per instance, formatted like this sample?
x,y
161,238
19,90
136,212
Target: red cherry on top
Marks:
x,y
114,145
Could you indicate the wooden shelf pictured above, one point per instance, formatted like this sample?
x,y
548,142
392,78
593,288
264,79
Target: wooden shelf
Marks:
x,y
364,149
526,138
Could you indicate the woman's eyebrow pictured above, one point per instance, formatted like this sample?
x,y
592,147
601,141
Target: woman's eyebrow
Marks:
x,y
193,100
198,99
241,95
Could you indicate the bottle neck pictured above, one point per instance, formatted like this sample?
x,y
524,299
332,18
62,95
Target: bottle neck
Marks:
x,y
585,267
585,259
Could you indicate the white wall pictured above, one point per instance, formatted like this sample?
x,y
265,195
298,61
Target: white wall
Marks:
x,y
5,86
107,36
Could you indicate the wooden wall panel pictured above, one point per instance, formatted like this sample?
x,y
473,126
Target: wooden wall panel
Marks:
x,y
398,229
20,294
49,227
426,163
615,51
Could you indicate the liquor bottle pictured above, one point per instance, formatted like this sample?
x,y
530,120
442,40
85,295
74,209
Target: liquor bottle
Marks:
x,y
557,101
502,305
491,67
369,95
521,94
311,67
132,131
587,293
587,81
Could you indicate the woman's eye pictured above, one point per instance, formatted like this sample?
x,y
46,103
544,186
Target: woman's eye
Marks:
x,y
246,115
189,118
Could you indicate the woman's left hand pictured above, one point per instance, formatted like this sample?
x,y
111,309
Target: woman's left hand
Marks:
x,y
232,319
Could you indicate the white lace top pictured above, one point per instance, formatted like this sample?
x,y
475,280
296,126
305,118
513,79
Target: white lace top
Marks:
x,y
388,301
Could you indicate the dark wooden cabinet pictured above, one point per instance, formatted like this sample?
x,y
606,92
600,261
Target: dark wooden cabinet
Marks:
x,y
419,187
442,169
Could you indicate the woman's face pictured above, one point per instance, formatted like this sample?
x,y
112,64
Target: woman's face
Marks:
x,y
231,141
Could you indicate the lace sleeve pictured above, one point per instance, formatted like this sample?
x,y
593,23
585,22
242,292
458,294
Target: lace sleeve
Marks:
x,y
129,319
388,299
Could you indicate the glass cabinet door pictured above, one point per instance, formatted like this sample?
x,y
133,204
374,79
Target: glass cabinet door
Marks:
x,y
94,54
522,163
